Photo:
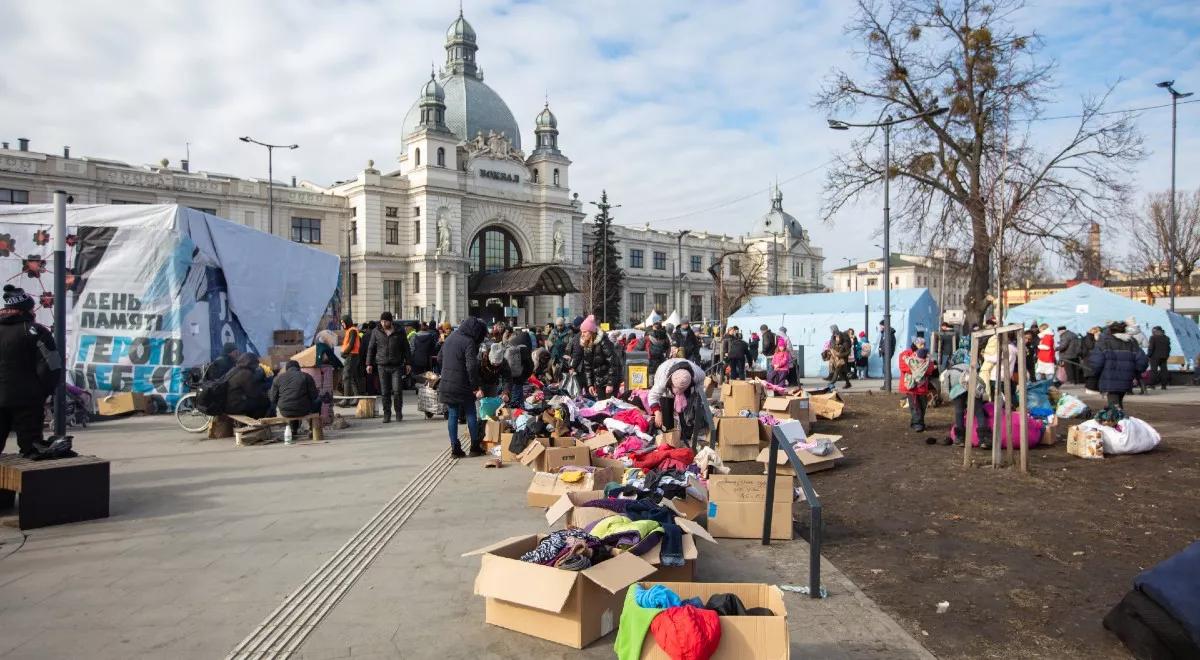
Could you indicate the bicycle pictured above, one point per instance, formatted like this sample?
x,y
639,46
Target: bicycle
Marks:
x,y
186,414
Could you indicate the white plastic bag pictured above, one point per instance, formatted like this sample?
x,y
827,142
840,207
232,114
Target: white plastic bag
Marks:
x,y
1130,436
1069,406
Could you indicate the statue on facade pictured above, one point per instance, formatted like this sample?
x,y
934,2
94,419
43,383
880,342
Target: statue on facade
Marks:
x,y
443,237
559,250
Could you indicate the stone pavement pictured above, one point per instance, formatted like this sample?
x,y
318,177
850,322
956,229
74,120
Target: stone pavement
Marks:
x,y
206,540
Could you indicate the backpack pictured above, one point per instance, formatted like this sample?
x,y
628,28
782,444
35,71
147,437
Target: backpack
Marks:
x,y
210,399
916,374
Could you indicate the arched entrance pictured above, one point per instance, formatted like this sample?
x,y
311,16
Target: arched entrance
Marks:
x,y
500,278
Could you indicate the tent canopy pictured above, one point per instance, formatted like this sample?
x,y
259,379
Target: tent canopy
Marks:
x,y
808,318
542,280
1084,306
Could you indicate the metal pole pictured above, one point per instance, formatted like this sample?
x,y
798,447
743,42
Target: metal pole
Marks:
x,y
1171,224
349,290
768,505
679,260
60,308
887,259
270,189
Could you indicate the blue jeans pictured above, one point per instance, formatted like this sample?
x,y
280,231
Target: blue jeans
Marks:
x,y
453,412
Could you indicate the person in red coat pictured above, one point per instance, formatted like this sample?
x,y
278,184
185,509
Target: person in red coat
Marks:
x,y
1045,353
916,369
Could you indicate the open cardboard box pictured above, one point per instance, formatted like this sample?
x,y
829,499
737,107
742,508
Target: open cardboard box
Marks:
x,y
759,637
793,433
738,438
736,504
827,406
570,509
547,487
567,607
739,395
797,408
121,403
541,458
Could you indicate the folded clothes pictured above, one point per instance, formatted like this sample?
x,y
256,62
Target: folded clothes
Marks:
x,y
548,549
731,605
661,597
666,458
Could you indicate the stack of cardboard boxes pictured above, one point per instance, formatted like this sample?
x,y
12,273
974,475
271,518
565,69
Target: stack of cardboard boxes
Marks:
x,y
285,344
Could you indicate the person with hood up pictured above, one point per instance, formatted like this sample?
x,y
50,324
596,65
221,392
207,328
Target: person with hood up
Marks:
x,y
353,376
781,363
597,370
840,352
658,343
218,368
246,388
1068,354
1160,352
1045,353
955,381
916,370
1117,361
424,348
735,354
294,394
687,340
677,397
518,367
29,371
388,354
461,386
1086,346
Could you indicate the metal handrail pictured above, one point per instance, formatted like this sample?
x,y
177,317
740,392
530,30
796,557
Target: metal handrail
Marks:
x,y
815,524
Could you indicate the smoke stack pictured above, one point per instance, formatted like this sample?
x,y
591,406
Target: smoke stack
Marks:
x,y
3,145
23,144
66,152
293,181
184,164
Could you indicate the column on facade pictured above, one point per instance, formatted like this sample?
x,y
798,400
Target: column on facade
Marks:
x,y
437,296
452,313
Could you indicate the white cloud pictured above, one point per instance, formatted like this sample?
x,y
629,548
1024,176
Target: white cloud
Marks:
x,y
657,126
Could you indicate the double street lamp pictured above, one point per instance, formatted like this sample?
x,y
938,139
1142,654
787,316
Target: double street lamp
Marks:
x,y
887,124
270,176
1169,85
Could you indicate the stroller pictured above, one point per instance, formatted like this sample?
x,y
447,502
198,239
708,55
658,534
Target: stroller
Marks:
x,y
79,408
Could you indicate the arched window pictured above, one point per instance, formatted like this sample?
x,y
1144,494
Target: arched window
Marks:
x,y
535,176
417,152
556,176
493,249
441,161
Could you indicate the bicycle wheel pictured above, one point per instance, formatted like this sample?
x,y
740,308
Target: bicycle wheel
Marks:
x,y
192,420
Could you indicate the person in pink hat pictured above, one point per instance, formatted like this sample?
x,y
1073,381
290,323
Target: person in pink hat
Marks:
x,y
598,373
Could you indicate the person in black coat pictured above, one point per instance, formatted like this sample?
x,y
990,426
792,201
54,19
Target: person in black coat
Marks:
x,y
736,351
598,367
26,375
246,388
460,384
518,358
658,344
1160,351
1117,360
294,394
687,339
1087,344
218,368
424,348
388,355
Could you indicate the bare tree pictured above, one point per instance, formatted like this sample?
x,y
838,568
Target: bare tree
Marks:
x,y
739,282
1151,246
977,172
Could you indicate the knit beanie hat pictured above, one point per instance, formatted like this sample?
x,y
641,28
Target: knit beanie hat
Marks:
x,y
589,324
681,379
15,298
496,354
687,632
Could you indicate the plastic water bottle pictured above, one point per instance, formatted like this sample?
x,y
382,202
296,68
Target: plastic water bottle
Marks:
x,y
287,434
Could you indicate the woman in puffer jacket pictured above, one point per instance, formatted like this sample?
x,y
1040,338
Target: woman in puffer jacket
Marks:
x,y
518,358
1117,360
678,394
598,366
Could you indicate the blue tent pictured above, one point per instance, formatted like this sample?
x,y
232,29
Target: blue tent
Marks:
x,y
807,318
1084,306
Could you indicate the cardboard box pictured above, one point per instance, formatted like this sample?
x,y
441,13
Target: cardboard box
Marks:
x,y
566,607
760,637
277,355
306,357
739,395
549,459
546,487
288,338
812,462
738,438
798,408
1084,443
122,403
1050,432
672,438
565,440
492,430
827,406
736,504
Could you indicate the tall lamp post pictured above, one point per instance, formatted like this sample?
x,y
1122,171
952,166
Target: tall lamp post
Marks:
x,y
1169,85
270,176
887,124
679,260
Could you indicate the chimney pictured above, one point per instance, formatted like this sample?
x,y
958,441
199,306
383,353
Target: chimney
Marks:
x,y
293,181
66,152
3,145
184,164
23,144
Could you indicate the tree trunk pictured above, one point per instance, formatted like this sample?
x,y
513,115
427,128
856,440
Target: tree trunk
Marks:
x,y
980,270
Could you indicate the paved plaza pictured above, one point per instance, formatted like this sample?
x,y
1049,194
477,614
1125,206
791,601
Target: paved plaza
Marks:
x,y
207,539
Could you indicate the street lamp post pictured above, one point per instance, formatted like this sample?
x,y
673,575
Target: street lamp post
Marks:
x,y
886,125
270,176
679,260
1169,85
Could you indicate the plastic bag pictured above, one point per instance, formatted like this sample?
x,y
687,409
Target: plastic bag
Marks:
x,y
1070,406
1130,436
488,406
1038,394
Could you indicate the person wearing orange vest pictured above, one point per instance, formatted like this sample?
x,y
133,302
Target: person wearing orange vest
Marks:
x,y
353,377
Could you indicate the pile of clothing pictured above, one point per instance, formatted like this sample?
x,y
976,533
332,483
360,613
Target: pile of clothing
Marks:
x,y
636,525
1160,616
681,628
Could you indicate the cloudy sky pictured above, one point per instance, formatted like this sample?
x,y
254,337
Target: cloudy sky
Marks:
x,y
684,110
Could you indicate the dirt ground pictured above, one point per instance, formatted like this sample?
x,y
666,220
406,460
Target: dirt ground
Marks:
x,y
1029,564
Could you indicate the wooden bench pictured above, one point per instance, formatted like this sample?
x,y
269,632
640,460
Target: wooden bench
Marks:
x,y
250,427
54,492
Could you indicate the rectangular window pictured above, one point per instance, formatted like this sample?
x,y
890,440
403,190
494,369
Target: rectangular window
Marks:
x,y
416,232
353,211
392,235
10,196
416,283
354,232
392,296
416,211
249,219
637,258
713,260
795,269
125,201
872,281
660,261
660,302
734,266
306,230
204,210
696,313
637,304
354,284
391,211
697,262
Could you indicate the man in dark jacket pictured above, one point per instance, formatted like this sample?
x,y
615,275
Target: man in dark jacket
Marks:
x,y
223,364
735,354
769,344
388,354
947,343
1160,351
424,348
687,339
460,384
1117,360
246,388
29,371
518,356
294,394
1069,347
658,343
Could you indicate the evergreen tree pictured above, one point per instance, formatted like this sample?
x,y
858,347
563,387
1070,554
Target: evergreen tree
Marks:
x,y
606,275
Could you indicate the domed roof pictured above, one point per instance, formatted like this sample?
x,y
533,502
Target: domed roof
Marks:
x,y
460,30
471,107
432,90
778,221
546,119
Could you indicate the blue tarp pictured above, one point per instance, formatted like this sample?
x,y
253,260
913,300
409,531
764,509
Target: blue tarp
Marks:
x,y
1084,306
807,318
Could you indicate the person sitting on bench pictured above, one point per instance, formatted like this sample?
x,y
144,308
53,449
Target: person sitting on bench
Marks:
x,y
294,394
246,392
